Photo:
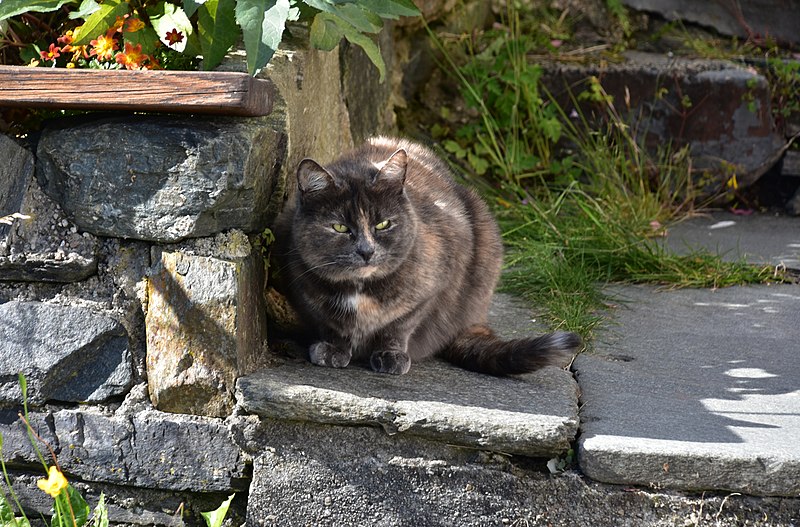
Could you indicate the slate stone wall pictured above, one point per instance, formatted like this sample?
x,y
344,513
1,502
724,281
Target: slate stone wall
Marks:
x,y
131,293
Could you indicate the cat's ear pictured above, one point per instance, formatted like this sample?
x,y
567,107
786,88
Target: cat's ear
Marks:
x,y
392,172
312,177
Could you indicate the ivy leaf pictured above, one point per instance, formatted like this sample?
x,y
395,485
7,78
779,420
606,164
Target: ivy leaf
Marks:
x,y
98,22
325,33
216,26
262,23
9,8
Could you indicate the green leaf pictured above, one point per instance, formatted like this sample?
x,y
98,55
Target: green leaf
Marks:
x,y
86,8
168,18
190,6
391,8
370,48
100,515
77,505
356,16
146,36
215,518
216,26
262,23
325,33
9,8
6,512
99,21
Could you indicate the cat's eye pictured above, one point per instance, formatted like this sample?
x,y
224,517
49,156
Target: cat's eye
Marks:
x,y
382,225
338,227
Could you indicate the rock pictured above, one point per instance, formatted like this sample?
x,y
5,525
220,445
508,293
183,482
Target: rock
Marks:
x,y
163,178
535,415
745,18
333,475
205,323
148,449
718,108
45,246
68,354
15,172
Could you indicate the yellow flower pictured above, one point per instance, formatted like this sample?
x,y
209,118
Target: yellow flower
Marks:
x,y
55,482
104,47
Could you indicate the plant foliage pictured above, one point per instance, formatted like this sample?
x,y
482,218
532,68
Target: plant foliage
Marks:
x,y
137,34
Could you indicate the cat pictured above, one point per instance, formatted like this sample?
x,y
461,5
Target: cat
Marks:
x,y
387,259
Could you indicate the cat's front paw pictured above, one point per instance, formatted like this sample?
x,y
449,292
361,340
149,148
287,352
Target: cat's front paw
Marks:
x,y
326,354
394,362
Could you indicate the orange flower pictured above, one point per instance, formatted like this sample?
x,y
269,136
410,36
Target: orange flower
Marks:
x,y
174,36
132,25
132,58
104,47
67,47
51,54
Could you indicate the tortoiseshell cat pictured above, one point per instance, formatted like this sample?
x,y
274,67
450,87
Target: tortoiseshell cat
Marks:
x,y
385,257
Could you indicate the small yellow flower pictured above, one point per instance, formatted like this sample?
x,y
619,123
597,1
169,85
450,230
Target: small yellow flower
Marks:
x,y
55,482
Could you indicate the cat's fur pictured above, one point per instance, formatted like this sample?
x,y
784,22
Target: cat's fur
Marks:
x,y
395,293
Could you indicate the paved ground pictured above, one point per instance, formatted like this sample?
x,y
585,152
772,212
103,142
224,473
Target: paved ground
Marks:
x,y
700,389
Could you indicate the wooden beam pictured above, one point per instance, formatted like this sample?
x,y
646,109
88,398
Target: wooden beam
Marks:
x,y
228,93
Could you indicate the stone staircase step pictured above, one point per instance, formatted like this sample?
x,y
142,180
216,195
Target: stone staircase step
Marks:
x,y
533,415
696,390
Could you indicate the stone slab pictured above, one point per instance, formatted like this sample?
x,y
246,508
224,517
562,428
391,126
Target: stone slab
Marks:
x,y
358,476
697,390
534,415
148,449
68,354
758,239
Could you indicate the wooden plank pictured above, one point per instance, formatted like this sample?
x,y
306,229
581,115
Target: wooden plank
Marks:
x,y
229,93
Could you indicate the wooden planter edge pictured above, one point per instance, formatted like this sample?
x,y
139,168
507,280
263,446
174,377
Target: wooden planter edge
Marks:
x,y
210,92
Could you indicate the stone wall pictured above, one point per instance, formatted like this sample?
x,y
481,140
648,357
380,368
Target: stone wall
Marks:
x,y
131,291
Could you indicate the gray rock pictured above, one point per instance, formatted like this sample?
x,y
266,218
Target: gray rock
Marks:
x,y
728,125
696,390
759,239
149,449
357,476
532,415
44,245
163,178
205,323
15,172
778,19
67,353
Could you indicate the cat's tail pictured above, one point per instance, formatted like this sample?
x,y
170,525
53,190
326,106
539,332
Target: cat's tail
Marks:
x,y
479,349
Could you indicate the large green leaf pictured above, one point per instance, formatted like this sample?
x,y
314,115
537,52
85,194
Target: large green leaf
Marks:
x,y
216,26
168,18
9,8
86,8
262,23
390,8
351,13
99,21
325,32
146,37
354,36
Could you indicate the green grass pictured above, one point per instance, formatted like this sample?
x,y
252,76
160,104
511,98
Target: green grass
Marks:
x,y
581,203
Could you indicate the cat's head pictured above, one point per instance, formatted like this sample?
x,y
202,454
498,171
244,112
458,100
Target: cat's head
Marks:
x,y
353,220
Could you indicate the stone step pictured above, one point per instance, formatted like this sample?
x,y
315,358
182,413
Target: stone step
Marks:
x,y
533,415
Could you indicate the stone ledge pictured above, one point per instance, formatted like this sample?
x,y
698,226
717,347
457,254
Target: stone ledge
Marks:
x,y
532,415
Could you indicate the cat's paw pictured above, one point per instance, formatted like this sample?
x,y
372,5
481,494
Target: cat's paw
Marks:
x,y
326,354
394,362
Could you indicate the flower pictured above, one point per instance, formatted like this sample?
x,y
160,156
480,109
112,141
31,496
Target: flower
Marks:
x,y
51,54
132,58
55,482
174,37
132,25
104,47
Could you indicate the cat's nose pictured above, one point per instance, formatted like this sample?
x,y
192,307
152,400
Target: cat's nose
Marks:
x,y
365,250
